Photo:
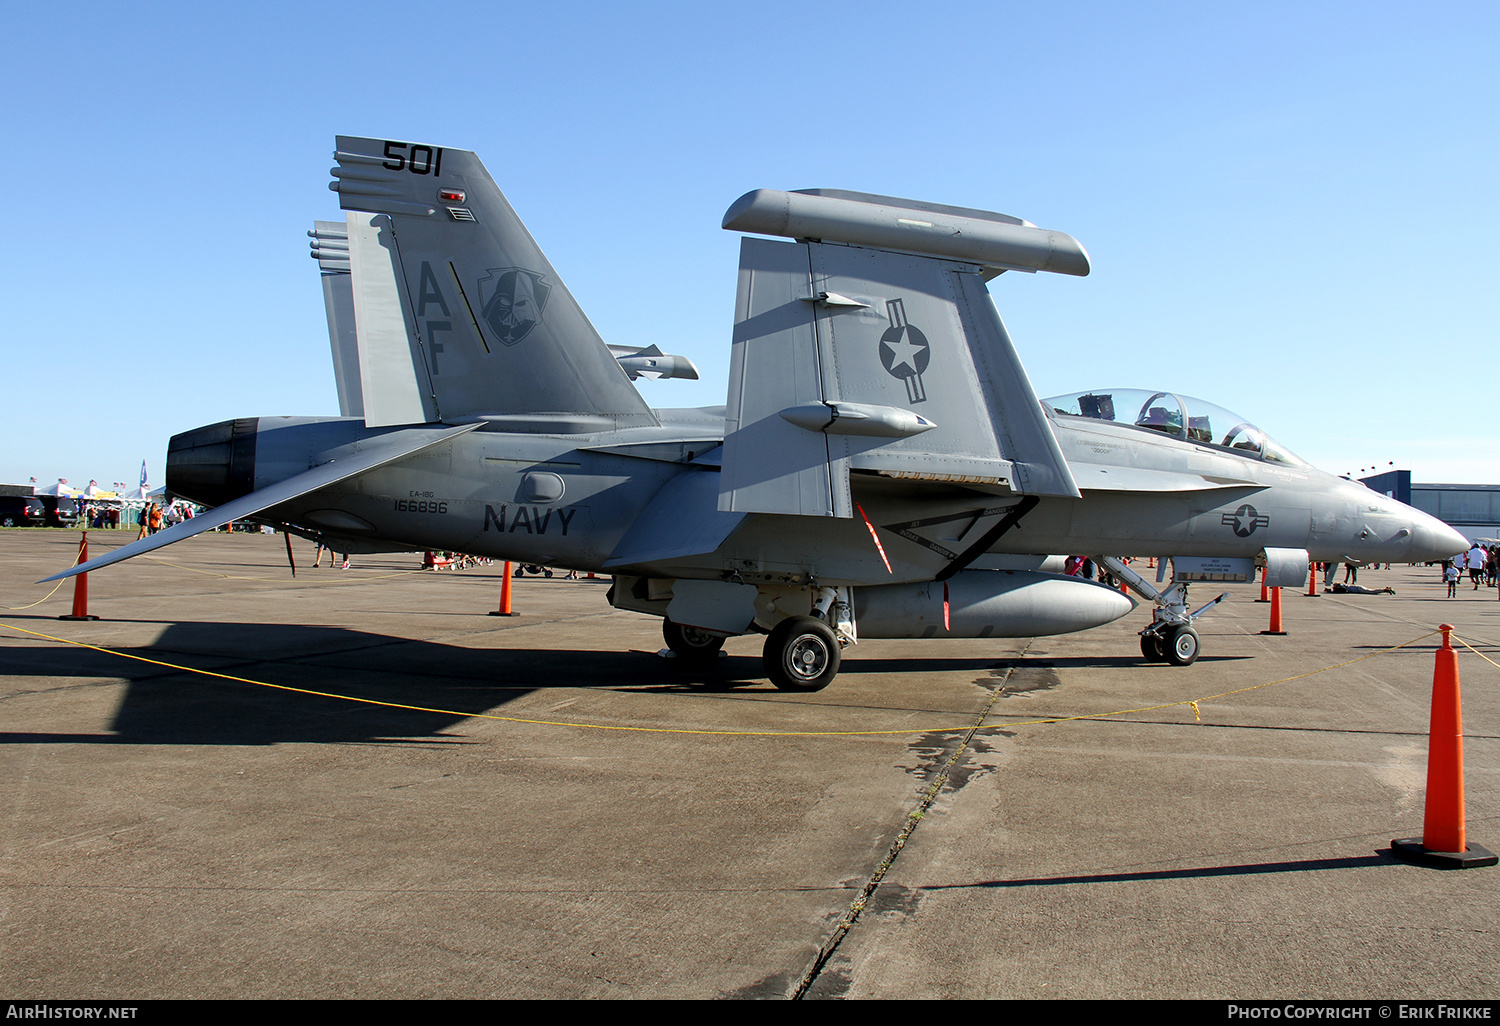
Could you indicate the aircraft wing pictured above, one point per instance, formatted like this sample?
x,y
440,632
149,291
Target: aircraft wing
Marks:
x,y
871,344
273,495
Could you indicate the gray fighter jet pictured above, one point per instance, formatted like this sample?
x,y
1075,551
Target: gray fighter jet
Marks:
x,y
883,467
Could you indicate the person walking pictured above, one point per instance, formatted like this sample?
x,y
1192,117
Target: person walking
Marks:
x,y
1476,565
333,557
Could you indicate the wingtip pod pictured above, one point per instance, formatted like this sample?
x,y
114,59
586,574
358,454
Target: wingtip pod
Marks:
x,y
763,211
991,240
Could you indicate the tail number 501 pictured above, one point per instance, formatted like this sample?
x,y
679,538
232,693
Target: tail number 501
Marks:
x,y
421,160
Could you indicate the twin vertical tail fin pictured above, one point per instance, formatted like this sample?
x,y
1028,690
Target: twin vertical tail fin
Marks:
x,y
459,314
330,248
871,344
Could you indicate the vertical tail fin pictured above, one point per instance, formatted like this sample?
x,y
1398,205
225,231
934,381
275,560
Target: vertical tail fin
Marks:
x,y
330,248
490,329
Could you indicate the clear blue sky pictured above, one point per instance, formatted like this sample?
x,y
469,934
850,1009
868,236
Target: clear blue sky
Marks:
x,y
1290,206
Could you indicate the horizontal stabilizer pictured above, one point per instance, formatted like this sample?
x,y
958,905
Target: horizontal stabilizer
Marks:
x,y
405,444
651,363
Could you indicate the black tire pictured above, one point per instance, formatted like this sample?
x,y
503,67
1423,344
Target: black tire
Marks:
x,y
8,522
693,646
1181,646
802,654
1151,648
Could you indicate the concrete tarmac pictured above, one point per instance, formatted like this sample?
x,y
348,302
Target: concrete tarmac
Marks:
x,y
573,816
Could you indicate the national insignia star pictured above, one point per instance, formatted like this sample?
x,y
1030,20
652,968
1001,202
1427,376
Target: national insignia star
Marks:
x,y
903,353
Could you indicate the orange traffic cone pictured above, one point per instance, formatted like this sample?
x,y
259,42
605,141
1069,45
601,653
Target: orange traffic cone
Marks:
x,y
1312,580
1264,594
504,609
1444,843
81,585
1275,613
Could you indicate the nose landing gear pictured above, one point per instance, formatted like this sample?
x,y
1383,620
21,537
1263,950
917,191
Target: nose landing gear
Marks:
x,y
1171,637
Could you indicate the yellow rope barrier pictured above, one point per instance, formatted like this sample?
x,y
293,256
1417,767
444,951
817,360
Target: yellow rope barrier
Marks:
x,y
49,594
1476,651
1191,703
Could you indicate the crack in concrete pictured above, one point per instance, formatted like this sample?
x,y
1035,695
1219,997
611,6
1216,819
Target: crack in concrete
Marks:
x,y
858,905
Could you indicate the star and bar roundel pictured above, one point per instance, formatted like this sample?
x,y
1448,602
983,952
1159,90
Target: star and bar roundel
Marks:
x,y
905,352
1245,520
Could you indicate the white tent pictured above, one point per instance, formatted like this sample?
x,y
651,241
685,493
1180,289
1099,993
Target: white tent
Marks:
x,y
61,488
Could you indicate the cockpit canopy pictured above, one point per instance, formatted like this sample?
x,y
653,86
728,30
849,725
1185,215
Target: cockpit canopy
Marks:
x,y
1179,416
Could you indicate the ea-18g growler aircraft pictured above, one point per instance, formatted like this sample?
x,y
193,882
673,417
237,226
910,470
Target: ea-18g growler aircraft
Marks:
x,y
882,468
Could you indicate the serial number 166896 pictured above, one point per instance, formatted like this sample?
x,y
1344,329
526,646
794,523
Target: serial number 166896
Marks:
x,y
420,506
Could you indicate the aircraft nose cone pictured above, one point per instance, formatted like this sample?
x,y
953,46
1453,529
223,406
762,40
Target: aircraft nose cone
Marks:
x,y
1432,540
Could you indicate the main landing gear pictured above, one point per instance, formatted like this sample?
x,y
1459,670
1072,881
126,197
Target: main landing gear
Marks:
x,y
693,646
802,654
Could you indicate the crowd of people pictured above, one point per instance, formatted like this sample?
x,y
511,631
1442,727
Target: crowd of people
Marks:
x,y
1480,566
150,518
154,517
1481,563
